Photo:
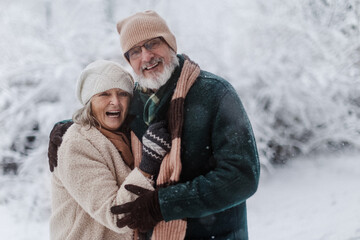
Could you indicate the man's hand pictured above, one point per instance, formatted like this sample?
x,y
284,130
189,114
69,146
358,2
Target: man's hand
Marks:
x,y
55,140
143,213
156,144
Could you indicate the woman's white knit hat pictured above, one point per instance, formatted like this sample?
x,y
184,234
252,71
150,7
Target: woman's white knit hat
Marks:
x,y
100,76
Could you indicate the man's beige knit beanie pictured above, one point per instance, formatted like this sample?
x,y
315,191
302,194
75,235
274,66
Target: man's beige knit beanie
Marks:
x,y
100,76
142,26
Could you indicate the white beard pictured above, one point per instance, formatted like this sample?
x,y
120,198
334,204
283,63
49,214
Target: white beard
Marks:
x,y
159,79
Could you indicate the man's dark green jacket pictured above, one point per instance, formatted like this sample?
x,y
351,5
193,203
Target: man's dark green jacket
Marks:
x,y
220,165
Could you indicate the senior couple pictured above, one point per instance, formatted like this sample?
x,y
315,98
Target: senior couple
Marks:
x,y
173,157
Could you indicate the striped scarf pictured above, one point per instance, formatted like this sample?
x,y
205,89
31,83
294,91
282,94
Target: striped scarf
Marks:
x,y
171,166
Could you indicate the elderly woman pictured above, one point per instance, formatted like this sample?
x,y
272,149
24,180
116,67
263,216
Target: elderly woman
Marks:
x,y
95,159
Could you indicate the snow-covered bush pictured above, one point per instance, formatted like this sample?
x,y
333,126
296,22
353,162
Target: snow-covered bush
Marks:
x,y
300,70
45,45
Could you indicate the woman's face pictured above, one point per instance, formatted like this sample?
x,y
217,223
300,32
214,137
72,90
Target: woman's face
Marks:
x,y
110,108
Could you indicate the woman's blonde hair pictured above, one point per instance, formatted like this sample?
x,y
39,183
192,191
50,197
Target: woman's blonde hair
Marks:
x,y
85,117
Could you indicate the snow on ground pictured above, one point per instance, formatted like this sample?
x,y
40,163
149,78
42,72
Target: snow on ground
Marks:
x,y
19,229
307,199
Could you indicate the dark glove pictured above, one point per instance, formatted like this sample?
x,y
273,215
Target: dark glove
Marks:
x,y
143,213
55,140
156,144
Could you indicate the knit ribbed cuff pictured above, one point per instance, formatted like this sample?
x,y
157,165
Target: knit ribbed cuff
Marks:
x,y
148,166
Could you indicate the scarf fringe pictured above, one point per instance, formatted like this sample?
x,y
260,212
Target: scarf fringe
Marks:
x,y
173,230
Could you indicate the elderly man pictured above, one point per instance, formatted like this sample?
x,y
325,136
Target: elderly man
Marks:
x,y
218,155
213,166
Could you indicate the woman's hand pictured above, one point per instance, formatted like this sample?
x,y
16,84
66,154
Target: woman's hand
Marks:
x,y
156,144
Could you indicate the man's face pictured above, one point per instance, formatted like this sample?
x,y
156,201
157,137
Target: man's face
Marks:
x,y
150,63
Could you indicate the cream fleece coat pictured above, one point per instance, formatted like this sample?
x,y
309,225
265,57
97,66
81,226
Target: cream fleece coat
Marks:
x,y
87,182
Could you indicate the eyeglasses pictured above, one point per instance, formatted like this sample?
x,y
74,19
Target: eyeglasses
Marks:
x,y
150,45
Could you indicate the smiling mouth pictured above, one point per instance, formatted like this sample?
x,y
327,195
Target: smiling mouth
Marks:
x,y
151,67
152,64
113,114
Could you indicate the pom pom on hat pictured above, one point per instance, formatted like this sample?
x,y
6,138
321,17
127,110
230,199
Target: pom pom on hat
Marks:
x,y
100,76
143,26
